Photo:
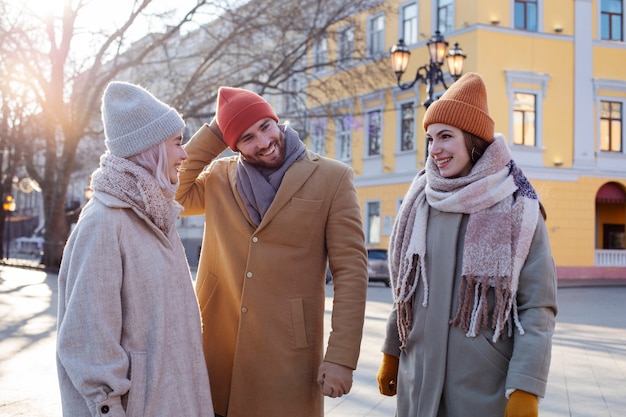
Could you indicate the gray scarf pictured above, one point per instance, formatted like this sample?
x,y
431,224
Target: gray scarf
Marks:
x,y
503,211
257,186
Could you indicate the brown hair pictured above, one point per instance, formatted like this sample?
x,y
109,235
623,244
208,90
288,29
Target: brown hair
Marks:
x,y
475,146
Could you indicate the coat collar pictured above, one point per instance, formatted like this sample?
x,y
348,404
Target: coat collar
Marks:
x,y
293,180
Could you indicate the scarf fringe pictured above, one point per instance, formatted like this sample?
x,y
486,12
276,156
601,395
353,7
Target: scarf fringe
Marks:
x,y
472,315
499,200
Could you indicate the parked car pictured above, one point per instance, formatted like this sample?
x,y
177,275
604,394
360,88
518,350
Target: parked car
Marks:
x,y
377,267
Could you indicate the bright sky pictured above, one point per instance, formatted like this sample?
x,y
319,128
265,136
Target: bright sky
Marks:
x,y
107,15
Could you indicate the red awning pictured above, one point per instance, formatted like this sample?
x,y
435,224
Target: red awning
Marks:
x,y
611,193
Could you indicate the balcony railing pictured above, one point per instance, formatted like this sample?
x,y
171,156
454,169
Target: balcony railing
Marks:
x,y
611,257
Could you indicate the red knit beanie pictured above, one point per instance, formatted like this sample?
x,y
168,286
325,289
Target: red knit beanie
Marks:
x,y
464,106
237,110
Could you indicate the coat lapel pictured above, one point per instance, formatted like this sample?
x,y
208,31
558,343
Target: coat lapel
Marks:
x,y
294,179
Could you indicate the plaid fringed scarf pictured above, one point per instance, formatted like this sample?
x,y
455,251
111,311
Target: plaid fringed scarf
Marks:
x,y
134,185
503,211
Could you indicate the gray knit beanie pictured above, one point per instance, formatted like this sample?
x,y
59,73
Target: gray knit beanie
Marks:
x,y
134,120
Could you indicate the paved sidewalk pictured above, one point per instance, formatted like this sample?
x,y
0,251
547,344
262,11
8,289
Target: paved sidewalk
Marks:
x,y
587,379
588,371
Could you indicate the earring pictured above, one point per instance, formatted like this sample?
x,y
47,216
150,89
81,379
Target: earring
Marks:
x,y
472,154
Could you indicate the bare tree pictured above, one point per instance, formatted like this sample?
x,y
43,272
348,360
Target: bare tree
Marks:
x,y
65,94
260,44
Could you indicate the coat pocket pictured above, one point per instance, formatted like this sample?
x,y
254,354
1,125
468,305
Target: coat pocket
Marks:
x,y
490,354
138,380
298,323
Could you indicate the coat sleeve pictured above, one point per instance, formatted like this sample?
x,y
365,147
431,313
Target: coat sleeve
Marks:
x,y
348,262
90,320
391,344
537,307
204,146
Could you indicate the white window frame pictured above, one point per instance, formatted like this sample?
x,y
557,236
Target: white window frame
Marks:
x,y
343,137
320,54
436,18
292,102
318,128
539,17
610,161
345,46
373,232
400,141
368,113
371,52
599,25
537,84
621,139
402,20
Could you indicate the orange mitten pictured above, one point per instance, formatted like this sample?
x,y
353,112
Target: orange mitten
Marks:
x,y
522,404
388,374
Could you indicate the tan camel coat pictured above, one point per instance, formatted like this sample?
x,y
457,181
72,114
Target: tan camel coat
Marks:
x,y
262,289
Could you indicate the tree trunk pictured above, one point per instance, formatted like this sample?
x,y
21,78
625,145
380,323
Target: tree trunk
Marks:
x,y
54,240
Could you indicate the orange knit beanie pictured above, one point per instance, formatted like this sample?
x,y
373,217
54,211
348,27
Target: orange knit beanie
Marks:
x,y
464,106
237,110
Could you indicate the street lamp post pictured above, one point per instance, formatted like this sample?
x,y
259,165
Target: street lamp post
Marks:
x,y
9,207
430,74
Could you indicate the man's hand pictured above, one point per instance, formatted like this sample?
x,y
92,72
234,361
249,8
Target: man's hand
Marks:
x,y
335,379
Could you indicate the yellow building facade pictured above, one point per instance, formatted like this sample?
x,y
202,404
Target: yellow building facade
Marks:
x,y
556,85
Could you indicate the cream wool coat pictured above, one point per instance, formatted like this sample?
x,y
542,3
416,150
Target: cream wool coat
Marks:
x,y
444,373
129,334
262,289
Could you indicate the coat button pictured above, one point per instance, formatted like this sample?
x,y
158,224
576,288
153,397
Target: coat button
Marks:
x,y
104,409
244,310
249,274
255,239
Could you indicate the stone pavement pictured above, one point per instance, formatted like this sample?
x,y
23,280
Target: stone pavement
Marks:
x,y
587,378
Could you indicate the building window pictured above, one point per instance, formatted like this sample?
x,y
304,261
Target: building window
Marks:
x,y
612,20
291,97
445,15
409,23
376,35
318,136
611,117
524,126
346,45
320,54
344,137
374,121
373,222
407,127
526,15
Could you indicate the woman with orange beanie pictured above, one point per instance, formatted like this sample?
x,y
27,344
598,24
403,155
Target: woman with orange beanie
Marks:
x,y
473,277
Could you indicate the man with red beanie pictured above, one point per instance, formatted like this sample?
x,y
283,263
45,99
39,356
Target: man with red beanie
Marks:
x,y
276,214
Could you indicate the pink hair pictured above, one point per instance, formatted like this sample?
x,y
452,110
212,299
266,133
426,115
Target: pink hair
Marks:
x,y
154,160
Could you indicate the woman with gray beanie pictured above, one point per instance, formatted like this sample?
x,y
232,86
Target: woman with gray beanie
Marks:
x,y
129,332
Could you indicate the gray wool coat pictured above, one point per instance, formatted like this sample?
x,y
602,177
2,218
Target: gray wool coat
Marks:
x,y
444,373
129,334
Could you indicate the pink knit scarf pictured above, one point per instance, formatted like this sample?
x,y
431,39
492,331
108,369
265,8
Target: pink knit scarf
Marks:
x,y
503,212
135,186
